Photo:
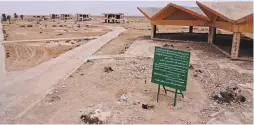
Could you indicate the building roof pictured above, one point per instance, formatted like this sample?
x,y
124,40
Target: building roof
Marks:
x,y
229,11
113,13
149,12
152,12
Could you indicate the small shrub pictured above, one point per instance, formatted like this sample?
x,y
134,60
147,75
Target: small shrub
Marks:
x,y
29,25
22,26
67,41
53,25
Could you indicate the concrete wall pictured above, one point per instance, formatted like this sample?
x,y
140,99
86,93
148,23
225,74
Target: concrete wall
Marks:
x,y
2,55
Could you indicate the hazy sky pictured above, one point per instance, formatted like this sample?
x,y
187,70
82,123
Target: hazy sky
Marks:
x,y
91,7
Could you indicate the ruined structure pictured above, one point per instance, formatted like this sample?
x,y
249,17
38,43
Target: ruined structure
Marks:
x,y
83,17
65,16
54,16
114,17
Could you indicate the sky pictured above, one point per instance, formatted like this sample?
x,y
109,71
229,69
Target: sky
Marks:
x,y
129,8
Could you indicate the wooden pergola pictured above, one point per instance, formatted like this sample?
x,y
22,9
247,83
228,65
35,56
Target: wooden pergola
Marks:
x,y
211,14
236,17
173,14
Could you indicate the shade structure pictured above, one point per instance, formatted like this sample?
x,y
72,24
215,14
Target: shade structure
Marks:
x,y
231,16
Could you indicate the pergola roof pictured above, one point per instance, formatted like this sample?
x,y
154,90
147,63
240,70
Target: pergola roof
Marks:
x,y
153,13
234,12
149,12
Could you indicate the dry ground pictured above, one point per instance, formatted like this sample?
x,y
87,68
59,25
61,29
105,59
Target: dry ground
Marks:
x,y
90,88
23,55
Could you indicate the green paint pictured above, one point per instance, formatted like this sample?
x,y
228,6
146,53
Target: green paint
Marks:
x,y
170,68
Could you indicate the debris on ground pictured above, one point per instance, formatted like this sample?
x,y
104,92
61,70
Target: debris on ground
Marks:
x,y
199,71
123,97
97,117
229,95
147,106
54,98
108,69
87,119
191,66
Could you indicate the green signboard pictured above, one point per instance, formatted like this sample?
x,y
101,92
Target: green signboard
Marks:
x,y
170,68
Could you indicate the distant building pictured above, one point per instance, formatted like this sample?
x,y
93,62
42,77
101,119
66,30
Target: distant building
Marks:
x,y
65,16
83,17
54,16
114,17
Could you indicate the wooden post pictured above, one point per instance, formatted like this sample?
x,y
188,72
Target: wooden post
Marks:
x,y
190,29
153,31
211,34
235,45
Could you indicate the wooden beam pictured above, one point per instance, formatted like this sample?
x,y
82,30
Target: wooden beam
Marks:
x,y
167,12
190,29
161,11
153,31
235,45
211,34
144,13
179,22
245,27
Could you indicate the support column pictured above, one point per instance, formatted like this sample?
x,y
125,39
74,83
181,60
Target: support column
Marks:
x,y
235,45
211,34
153,31
190,29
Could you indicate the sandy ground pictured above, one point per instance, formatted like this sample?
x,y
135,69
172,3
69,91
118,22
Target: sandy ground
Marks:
x,y
47,29
90,88
95,89
23,55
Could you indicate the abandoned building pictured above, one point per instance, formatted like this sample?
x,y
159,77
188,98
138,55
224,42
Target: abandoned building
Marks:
x,y
65,17
234,17
54,16
41,17
83,17
114,17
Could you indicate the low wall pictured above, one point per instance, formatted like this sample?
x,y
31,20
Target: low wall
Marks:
x,y
2,55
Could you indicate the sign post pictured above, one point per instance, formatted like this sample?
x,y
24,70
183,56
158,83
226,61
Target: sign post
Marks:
x,y
170,69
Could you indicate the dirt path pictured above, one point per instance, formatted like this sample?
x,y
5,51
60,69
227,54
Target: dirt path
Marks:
x,y
40,40
22,92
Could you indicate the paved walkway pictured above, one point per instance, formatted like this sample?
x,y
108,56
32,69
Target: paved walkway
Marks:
x,y
21,92
2,56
